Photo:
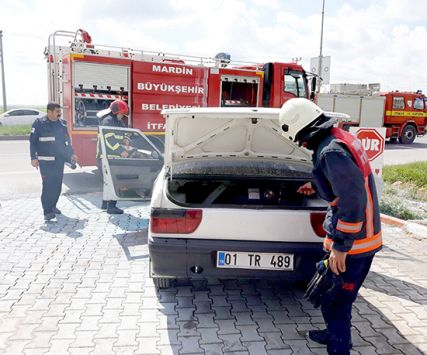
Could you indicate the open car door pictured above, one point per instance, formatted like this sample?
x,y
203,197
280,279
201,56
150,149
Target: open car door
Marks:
x,y
129,178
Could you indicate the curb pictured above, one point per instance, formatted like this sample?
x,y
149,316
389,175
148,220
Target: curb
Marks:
x,y
14,138
414,228
392,220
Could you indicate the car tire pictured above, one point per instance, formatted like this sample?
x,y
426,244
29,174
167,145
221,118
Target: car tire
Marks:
x,y
408,135
162,282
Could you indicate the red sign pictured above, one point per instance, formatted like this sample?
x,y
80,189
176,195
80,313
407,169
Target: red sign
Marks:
x,y
372,142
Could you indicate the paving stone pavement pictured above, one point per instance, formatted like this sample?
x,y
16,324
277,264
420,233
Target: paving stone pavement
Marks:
x,y
80,286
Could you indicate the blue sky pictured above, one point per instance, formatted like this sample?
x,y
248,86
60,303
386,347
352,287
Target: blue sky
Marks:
x,y
368,41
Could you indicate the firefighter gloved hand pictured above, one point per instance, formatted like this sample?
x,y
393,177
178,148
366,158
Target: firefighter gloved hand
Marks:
x,y
324,285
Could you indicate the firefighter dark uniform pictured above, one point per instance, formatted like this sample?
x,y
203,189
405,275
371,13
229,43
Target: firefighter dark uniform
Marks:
x,y
114,149
342,176
50,145
113,140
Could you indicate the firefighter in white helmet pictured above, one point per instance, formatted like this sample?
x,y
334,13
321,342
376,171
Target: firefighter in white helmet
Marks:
x,y
341,176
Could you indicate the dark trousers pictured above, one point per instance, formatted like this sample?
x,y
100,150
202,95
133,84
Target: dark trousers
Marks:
x,y
52,173
337,314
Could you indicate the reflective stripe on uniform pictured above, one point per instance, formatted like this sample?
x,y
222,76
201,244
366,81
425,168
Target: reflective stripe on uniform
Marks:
x,y
47,139
107,143
348,227
45,158
372,241
369,211
359,246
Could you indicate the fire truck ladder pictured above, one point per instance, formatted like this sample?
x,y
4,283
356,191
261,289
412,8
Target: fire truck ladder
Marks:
x,y
53,54
81,44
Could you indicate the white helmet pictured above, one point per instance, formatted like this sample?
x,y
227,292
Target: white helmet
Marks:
x,y
297,114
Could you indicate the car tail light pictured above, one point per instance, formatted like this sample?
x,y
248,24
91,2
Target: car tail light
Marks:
x,y
316,219
175,221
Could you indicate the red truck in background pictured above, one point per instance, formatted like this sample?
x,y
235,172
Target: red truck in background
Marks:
x,y
403,114
85,78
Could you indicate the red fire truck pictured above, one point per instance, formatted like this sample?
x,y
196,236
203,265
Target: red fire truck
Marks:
x,y
403,114
85,78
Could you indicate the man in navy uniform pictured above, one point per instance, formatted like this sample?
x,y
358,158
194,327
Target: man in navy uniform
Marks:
x,y
50,148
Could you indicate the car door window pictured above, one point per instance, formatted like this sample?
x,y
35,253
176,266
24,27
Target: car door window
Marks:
x,y
31,112
398,103
128,176
294,83
16,113
418,104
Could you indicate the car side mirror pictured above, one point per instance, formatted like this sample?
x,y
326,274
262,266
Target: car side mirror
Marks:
x,y
313,84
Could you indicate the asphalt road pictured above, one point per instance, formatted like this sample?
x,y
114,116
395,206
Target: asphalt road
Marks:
x,y
18,178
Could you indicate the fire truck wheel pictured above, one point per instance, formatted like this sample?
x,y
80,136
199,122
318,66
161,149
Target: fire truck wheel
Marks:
x,y
393,140
408,135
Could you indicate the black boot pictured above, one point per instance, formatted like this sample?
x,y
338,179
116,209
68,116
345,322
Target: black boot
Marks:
x,y
104,205
112,209
322,337
319,336
49,216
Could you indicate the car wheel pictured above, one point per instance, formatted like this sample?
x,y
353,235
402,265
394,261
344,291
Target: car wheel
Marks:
x,y
408,135
162,282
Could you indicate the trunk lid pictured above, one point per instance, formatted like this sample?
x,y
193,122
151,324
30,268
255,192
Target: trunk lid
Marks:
x,y
227,134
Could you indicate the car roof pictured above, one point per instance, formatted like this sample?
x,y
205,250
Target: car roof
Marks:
x,y
23,108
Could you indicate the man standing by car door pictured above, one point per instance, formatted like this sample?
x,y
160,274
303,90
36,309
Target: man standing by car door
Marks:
x,y
50,148
342,176
113,117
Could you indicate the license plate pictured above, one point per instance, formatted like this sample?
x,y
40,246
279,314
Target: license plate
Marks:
x,y
249,260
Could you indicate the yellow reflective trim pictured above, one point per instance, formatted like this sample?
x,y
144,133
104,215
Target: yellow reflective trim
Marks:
x,y
406,113
112,147
154,133
76,55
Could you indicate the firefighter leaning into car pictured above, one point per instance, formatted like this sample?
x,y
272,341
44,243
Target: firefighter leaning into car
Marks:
x,y
50,148
114,142
342,176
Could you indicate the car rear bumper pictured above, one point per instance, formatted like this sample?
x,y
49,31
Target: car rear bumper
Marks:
x,y
178,258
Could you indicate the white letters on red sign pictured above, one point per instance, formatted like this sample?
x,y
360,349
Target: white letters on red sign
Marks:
x,y
371,144
172,70
156,126
159,107
195,89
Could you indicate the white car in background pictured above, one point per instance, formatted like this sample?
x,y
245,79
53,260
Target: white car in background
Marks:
x,y
20,116
224,204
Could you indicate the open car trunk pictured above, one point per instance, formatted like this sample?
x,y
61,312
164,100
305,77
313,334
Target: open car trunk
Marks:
x,y
241,184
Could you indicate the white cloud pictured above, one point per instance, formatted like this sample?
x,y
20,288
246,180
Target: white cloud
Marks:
x,y
383,41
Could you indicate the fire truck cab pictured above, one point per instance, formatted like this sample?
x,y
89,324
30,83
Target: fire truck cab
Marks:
x,y
85,78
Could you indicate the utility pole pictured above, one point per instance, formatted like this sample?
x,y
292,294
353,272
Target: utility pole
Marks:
x,y
321,47
2,72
